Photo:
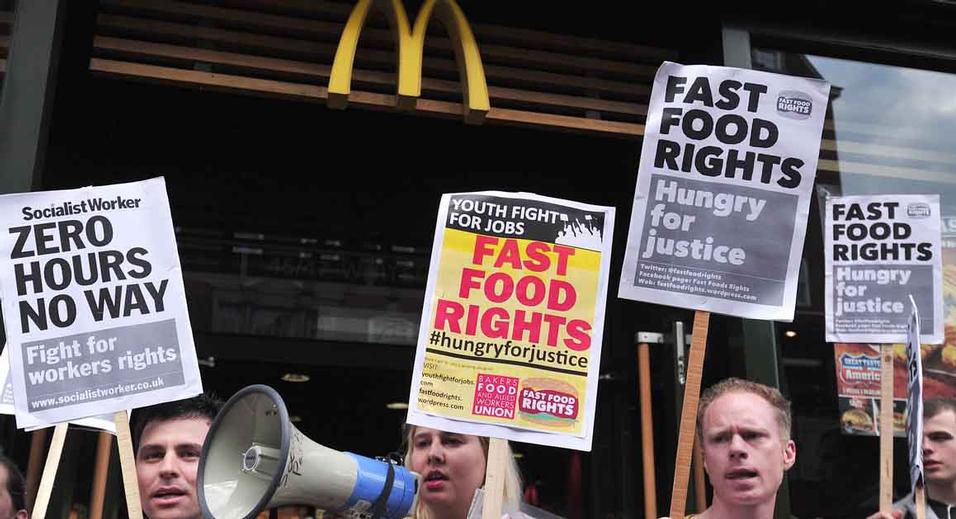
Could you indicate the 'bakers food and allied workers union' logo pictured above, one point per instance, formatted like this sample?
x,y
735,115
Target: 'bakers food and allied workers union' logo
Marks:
x,y
794,104
548,401
495,396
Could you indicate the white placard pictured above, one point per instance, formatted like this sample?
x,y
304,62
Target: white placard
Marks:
x,y
93,302
880,250
723,190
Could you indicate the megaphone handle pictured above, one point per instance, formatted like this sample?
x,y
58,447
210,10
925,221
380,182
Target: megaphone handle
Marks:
x,y
378,507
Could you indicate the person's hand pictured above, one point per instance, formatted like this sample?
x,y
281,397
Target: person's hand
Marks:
x,y
897,514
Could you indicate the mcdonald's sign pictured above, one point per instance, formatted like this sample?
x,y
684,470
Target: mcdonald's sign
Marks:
x,y
410,44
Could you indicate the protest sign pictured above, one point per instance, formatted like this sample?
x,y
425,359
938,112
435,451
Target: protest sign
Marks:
x,y
879,250
93,302
513,318
914,402
723,190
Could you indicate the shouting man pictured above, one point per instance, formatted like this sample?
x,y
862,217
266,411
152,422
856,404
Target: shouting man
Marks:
x,y
744,431
168,439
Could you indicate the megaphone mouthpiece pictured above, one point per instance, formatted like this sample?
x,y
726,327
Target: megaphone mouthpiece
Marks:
x,y
261,461
254,458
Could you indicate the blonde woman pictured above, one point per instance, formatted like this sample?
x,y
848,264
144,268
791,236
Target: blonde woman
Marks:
x,y
452,467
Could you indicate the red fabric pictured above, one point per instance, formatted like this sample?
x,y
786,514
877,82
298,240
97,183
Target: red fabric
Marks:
x,y
575,504
531,494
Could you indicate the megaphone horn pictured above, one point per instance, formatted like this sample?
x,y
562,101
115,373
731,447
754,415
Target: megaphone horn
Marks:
x,y
254,458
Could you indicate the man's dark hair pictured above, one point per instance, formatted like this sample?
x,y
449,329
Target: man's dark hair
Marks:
x,y
15,485
934,406
201,406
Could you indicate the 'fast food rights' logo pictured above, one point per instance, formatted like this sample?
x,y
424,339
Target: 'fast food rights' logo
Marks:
x,y
918,210
548,401
794,104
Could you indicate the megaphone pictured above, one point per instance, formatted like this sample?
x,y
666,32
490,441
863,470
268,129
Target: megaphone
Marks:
x,y
254,458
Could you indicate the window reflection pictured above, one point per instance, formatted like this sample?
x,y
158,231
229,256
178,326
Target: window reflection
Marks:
x,y
303,287
884,121
7,10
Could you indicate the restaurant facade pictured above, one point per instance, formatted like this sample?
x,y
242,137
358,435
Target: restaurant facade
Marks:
x,y
305,146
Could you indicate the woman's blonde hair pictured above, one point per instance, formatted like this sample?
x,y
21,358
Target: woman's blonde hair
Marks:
x,y
512,474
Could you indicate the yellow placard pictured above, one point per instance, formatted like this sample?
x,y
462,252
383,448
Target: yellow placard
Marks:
x,y
514,312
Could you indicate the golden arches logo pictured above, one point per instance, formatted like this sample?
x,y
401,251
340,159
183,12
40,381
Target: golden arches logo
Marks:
x,y
410,44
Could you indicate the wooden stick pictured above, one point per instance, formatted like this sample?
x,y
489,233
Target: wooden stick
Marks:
x,y
128,462
886,429
920,502
647,429
495,479
49,471
688,416
700,486
35,465
100,471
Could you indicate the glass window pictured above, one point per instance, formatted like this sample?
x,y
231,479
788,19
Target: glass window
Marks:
x,y
7,10
889,129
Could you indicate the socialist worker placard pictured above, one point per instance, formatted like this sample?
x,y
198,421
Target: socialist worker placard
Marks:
x,y
94,305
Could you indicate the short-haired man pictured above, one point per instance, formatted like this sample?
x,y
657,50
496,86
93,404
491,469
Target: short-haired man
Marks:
x,y
12,491
168,441
744,431
939,464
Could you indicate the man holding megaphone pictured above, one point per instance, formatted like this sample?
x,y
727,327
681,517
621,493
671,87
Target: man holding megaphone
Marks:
x,y
168,439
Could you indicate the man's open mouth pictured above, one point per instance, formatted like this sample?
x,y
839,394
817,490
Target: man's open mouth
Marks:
x,y
165,493
741,474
